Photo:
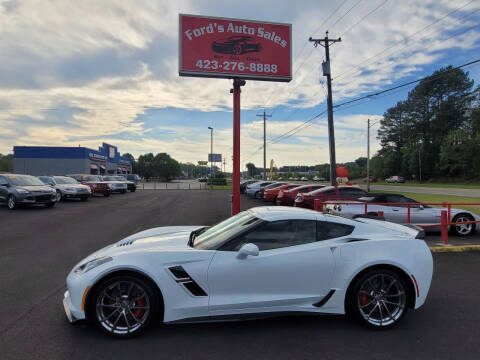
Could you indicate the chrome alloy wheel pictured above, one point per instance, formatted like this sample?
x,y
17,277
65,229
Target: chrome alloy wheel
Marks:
x,y
463,229
381,299
123,307
11,202
58,196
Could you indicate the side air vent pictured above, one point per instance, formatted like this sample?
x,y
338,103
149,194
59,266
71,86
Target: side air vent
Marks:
x,y
182,278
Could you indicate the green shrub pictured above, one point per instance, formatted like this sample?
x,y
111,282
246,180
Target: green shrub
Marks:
x,y
217,181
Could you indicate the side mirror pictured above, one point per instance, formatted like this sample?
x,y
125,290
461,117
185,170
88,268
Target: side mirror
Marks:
x,y
246,250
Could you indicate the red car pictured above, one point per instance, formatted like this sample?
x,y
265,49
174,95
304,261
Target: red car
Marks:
x,y
271,194
97,185
287,197
341,192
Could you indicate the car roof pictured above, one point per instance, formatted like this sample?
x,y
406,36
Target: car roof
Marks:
x,y
272,213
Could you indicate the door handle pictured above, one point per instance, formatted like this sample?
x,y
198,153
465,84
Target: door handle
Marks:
x,y
395,209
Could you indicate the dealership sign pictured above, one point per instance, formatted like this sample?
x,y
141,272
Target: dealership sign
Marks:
x,y
233,48
97,157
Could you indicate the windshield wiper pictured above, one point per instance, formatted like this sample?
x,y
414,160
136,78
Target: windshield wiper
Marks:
x,y
195,233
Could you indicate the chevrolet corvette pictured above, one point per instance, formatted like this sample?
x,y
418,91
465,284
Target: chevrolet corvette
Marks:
x,y
261,262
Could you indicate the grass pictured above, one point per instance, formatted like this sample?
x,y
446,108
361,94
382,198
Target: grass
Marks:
x,y
438,198
430,185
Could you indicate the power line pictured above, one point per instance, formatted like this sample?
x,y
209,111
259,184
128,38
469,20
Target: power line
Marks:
x,y
346,13
362,64
364,17
430,78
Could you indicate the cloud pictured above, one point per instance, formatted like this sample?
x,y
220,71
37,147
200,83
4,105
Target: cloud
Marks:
x,y
85,71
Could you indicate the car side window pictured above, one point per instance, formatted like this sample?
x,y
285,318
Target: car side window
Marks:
x,y
3,181
277,234
352,192
329,192
330,230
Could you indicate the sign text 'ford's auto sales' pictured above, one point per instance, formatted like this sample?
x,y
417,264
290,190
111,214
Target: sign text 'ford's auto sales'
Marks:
x,y
230,48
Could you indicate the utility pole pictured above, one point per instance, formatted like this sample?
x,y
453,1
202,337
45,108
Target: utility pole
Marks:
x,y
325,42
212,172
265,143
368,155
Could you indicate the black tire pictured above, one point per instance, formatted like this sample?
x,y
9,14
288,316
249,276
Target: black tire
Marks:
x,y
463,229
121,301
133,190
50,204
372,298
85,198
59,196
12,202
106,194
257,195
275,200
123,191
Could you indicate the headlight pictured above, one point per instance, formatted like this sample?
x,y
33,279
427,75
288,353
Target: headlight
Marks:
x,y
71,189
82,269
23,191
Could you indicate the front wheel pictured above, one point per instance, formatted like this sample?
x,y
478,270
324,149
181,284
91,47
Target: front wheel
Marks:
x,y
463,229
59,196
379,299
123,306
50,204
12,202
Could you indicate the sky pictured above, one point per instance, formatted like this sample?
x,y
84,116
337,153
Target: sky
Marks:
x,y
86,72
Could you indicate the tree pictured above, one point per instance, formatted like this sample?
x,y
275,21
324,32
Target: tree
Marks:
x,y
251,169
165,167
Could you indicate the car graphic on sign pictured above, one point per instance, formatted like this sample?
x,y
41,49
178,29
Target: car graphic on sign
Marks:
x,y
236,45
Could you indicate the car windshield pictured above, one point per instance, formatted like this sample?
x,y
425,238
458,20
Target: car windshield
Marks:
x,y
113,178
64,180
215,236
24,180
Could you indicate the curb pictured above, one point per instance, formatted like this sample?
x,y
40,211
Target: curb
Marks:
x,y
453,248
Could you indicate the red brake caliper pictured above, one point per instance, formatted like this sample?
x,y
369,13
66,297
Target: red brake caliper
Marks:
x,y
140,302
363,299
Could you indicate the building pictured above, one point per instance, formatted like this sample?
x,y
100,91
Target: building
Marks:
x,y
56,160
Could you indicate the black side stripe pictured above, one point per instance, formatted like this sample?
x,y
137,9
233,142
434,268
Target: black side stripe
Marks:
x,y
182,277
325,299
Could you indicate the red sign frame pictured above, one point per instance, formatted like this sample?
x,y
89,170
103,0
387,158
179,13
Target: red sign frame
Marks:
x,y
234,48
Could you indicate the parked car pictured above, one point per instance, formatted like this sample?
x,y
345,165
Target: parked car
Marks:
x,y
236,45
95,182
340,192
243,185
133,177
202,179
266,260
317,178
253,190
287,197
131,186
419,214
67,187
372,179
270,186
395,179
303,178
270,195
17,190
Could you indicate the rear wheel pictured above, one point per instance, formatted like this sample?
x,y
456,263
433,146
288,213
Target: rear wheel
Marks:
x,y
463,229
123,306
59,196
12,202
50,204
379,299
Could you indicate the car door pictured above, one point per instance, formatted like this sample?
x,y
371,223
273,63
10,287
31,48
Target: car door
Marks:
x,y
292,270
396,213
3,188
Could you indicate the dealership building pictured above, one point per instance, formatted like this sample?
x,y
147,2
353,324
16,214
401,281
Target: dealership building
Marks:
x,y
55,160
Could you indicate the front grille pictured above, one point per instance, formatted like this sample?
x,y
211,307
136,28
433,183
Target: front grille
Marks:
x,y
43,198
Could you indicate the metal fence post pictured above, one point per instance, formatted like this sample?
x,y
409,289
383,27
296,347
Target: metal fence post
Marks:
x,y
154,185
408,214
444,226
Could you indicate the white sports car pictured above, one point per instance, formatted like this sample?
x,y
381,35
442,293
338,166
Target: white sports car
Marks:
x,y
264,261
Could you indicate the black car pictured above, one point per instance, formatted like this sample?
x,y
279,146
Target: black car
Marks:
x,y
236,45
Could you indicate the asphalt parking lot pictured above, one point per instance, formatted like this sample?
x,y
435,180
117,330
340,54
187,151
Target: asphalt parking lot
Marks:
x,y
40,246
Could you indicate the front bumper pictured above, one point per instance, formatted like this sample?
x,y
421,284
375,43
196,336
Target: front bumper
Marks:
x,y
70,311
37,198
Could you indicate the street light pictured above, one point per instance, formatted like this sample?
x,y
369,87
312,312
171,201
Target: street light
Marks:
x,y
212,172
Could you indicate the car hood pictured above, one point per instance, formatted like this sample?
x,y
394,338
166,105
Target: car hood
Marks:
x,y
35,188
169,238
73,186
